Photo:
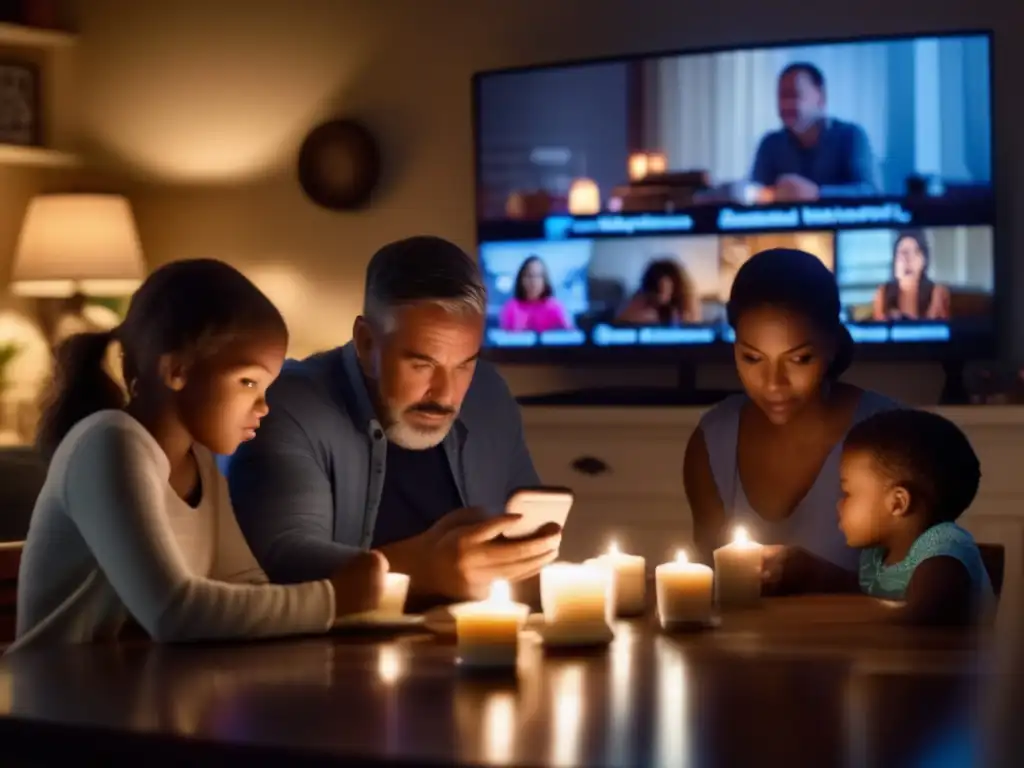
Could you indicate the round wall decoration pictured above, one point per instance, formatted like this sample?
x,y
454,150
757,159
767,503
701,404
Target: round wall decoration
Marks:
x,y
339,165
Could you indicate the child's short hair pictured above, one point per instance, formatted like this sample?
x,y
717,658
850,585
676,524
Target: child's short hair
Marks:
x,y
926,454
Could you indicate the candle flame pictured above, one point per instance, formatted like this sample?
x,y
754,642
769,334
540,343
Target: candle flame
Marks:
x,y
740,536
681,556
500,592
613,548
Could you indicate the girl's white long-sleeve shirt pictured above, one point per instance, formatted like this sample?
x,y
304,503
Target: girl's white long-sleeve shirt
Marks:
x,y
109,538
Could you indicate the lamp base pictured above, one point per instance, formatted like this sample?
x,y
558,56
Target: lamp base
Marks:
x,y
10,428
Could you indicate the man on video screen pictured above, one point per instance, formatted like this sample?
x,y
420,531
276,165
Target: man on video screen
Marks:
x,y
813,156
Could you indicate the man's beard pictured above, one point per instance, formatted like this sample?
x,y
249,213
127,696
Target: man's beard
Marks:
x,y
417,438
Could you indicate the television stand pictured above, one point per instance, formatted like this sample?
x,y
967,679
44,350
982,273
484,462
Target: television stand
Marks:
x,y
684,395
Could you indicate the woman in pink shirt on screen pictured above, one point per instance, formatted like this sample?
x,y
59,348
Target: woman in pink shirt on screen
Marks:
x,y
533,306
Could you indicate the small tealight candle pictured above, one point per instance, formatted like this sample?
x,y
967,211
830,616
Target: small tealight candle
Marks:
x,y
685,592
656,163
630,575
637,166
392,602
738,572
487,631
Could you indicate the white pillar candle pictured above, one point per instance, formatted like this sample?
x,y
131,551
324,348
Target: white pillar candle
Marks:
x,y
487,631
738,572
630,575
610,612
575,594
637,166
685,592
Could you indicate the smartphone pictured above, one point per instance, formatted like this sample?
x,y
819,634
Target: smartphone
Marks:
x,y
536,508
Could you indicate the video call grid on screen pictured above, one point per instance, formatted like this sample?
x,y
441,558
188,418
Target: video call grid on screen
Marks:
x,y
885,132
897,287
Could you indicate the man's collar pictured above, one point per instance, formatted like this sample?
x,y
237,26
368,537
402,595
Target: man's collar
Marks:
x,y
364,414
824,125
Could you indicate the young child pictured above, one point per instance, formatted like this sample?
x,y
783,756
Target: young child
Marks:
x,y
134,520
905,477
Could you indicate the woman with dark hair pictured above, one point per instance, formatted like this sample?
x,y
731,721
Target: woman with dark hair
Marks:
x,y
134,521
533,306
768,459
666,297
911,295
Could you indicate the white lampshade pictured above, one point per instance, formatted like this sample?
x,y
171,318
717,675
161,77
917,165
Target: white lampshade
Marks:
x,y
77,244
657,163
584,198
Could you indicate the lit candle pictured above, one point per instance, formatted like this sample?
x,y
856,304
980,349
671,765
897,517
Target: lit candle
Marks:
x,y
630,575
576,595
685,592
637,166
488,630
584,198
396,589
392,601
656,163
738,572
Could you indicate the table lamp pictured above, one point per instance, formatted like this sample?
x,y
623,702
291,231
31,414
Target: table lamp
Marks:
x,y
75,246
584,197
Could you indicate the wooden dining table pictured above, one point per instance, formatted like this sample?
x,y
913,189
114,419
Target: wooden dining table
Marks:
x,y
806,681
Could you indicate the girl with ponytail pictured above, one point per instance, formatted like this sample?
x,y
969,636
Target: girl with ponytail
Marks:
x,y
81,386
134,521
768,459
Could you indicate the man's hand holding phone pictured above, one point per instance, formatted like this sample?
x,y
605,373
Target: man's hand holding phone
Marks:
x,y
469,557
462,553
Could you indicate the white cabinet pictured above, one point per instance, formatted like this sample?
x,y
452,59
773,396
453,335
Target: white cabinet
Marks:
x,y
625,466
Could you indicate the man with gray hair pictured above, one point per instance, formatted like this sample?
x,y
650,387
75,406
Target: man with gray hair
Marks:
x,y
401,440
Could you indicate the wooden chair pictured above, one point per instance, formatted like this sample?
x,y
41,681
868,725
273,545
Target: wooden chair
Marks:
x,y
10,560
994,558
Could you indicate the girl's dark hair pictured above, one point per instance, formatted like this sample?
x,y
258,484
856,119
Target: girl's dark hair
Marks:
x,y
190,307
681,288
925,287
520,292
797,281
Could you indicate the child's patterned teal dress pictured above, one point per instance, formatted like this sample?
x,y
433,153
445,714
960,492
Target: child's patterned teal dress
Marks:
x,y
890,582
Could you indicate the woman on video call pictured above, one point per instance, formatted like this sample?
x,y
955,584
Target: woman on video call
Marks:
x,y
768,459
911,295
666,297
533,306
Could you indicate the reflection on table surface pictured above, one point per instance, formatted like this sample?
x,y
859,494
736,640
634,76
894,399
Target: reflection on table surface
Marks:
x,y
801,682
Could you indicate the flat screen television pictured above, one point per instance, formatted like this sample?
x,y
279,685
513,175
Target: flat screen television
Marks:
x,y
616,199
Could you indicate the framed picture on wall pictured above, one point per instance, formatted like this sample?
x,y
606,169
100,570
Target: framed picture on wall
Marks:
x,y
19,104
